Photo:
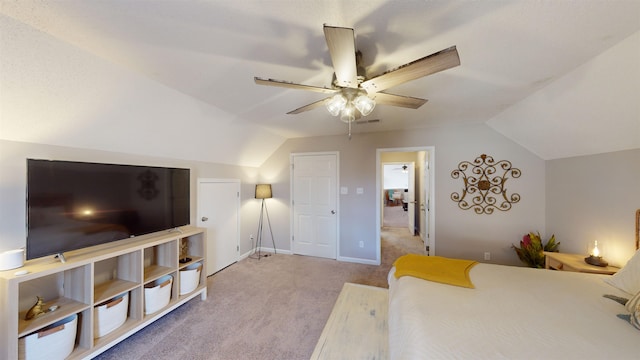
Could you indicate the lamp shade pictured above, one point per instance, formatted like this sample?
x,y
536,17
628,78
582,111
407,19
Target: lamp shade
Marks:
x,y
336,104
263,191
364,104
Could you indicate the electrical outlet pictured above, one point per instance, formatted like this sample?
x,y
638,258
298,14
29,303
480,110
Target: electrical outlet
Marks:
x,y
487,255
361,244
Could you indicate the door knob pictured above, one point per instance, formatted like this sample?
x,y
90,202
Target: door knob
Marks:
x,y
204,218
333,211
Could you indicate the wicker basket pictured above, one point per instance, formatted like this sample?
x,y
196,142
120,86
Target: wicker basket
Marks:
x,y
53,342
110,315
190,278
157,294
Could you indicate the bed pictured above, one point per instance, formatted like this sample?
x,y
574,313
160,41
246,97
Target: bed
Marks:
x,y
514,313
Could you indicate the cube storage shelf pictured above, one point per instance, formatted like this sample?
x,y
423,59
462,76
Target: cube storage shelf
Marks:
x,y
92,277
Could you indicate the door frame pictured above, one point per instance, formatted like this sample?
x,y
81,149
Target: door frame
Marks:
x,y
199,182
337,195
432,229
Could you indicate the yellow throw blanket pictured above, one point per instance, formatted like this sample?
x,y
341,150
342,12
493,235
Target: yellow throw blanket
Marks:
x,y
435,268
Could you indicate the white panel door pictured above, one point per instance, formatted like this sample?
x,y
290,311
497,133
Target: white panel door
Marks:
x,y
314,200
218,209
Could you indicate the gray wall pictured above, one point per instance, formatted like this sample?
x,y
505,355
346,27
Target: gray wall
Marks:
x,y
595,198
458,233
578,199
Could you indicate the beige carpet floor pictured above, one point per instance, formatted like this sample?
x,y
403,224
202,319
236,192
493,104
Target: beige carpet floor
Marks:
x,y
273,308
395,216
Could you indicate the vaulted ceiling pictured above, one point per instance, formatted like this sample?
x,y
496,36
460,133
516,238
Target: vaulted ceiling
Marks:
x,y
510,51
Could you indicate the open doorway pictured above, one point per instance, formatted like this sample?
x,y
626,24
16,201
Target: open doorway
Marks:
x,y
405,181
399,194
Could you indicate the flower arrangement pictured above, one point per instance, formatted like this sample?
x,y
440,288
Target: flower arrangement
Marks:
x,y
531,250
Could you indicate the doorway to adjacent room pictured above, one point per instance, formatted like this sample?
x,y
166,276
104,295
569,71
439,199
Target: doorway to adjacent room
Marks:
x,y
405,197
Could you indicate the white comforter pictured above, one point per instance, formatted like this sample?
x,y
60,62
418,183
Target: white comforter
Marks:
x,y
513,313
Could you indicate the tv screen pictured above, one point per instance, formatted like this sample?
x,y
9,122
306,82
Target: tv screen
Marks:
x,y
72,205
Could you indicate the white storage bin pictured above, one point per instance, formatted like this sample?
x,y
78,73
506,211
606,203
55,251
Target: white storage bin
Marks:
x,y
110,315
157,294
190,278
53,342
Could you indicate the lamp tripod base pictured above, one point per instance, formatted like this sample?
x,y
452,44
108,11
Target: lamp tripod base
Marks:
x,y
596,261
257,254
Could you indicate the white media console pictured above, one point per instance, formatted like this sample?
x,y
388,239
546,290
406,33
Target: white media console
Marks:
x,y
91,276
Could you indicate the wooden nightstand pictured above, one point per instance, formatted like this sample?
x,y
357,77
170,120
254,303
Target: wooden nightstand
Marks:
x,y
574,262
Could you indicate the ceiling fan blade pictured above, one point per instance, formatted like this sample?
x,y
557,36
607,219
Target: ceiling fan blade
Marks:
x,y
398,100
431,64
342,48
311,106
290,85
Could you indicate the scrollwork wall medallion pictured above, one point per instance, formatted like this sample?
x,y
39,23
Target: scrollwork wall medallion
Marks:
x,y
484,185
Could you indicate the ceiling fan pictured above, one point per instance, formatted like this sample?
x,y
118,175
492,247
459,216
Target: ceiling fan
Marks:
x,y
404,168
352,93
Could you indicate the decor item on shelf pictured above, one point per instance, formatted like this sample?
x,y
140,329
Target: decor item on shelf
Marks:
x,y
11,259
38,309
184,251
531,250
594,257
263,192
484,185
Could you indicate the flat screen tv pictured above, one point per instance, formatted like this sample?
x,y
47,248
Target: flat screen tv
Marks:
x,y
72,205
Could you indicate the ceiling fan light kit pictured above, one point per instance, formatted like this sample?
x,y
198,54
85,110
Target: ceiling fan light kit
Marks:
x,y
335,104
353,95
344,102
364,104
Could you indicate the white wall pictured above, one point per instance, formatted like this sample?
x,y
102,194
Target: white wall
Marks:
x,y
394,178
599,97
594,198
55,93
459,233
13,173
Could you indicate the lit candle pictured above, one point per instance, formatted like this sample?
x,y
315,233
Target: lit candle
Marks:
x,y
595,251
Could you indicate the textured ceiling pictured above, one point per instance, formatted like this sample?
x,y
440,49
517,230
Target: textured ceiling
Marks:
x,y
211,50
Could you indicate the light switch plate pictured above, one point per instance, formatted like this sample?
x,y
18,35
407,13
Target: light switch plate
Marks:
x,y
359,191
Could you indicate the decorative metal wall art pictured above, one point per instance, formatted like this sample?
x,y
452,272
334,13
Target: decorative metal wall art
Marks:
x,y
484,187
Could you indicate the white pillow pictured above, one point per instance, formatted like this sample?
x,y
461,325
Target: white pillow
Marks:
x,y
628,278
635,318
633,304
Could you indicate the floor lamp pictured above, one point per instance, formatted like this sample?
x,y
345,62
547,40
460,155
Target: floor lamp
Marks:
x,y
263,192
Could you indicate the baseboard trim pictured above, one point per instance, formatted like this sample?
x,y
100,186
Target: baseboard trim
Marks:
x,y
289,252
358,260
265,250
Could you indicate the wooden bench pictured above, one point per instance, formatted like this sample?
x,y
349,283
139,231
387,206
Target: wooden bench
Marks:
x,y
358,325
